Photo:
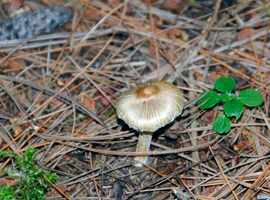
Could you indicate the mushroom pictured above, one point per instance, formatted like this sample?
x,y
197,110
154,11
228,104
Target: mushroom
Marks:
x,y
147,108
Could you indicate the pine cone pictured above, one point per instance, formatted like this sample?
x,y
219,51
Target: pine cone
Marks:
x,y
40,21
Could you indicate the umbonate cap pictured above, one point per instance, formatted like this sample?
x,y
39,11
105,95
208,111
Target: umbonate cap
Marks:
x,y
151,106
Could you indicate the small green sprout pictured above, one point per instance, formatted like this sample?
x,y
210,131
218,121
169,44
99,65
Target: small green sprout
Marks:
x,y
234,105
30,183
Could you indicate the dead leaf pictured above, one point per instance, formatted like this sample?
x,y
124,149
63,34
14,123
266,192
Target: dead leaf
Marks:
x,y
203,141
207,191
152,49
14,5
6,181
17,130
5,1
12,64
88,102
39,101
234,162
215,75
170,54
55,101
254,14
55,193
134,38
158,21
246,32
104,101
65,79
215,146
242,145
208,116
174,33
128,10
114,3
14,119
171,4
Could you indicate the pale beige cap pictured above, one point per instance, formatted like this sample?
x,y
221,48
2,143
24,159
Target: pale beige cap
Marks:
x,y
151,106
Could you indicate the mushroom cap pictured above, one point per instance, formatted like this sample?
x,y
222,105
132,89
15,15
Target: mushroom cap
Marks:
x,y
151,106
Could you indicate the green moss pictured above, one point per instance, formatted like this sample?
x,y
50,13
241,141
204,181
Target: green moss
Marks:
x,y
30,182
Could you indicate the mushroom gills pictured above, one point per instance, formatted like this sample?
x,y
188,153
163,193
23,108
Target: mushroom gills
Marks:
x,y
147,108
142,146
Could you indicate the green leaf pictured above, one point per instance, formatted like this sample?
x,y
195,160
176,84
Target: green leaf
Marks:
x,y
234,108
250,97
191,1
212,97
224,84
222,124
224,97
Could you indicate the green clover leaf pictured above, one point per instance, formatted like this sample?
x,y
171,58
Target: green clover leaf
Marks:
x,y
250,97
222,124
224,84
234,108
211,98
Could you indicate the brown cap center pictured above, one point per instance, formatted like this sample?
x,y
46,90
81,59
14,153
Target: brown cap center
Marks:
x,y
148,91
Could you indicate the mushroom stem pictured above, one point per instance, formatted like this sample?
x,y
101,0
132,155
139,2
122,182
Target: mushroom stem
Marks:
x,y
143,145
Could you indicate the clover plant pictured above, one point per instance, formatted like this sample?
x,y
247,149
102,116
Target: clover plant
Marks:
x,y
30,183
233,105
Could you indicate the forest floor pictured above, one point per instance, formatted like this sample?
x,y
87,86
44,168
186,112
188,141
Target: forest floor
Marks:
x,y
59,91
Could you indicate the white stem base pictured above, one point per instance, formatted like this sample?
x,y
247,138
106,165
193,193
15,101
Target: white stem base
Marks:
x,y
143,145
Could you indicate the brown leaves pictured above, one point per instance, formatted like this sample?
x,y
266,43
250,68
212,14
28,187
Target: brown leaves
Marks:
x,y
170,4
39,100
176,33
114,3
64,80
175,6
17,130
242,145
246,32
134,38
208,191
14,5
55,193
215,146
5,181
104,101
152,49
88,102
208,116
12,64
